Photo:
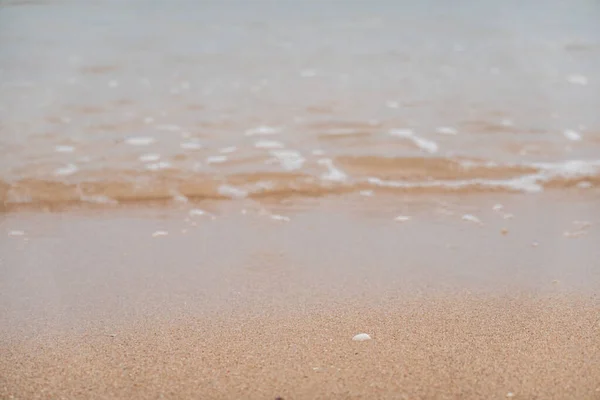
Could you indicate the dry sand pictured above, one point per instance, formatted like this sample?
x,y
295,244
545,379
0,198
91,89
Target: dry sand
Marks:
x,y
247,306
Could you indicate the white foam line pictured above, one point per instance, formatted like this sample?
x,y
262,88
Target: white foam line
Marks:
x,y
424,144
531,183
526,184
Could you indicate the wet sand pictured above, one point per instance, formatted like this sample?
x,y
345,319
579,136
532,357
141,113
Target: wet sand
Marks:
x,y
243,303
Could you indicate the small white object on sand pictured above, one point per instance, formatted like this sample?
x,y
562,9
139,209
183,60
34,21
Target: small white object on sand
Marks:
x,y
16,233
361,337
280,218
498,207
402,218
471,218
160,233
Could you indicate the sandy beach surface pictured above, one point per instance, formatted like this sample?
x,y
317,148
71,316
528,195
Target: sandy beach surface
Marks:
x,y
211,199
262,301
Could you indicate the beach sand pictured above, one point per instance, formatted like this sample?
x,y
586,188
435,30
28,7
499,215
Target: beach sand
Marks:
x,y
236,303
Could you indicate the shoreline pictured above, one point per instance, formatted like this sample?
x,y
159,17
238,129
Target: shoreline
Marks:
x,y
260,300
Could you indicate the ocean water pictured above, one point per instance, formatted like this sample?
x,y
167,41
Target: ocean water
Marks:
x,y
118,102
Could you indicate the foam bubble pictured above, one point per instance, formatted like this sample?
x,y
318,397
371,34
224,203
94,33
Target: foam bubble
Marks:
x,y
333,173
572,135
289,159
584,185
16,233
216,159
99,199
424,144
232,191
262,130
158,166
446,130
196,212
227,150
69,169
366,193
471,218
191,145
150,157
280,218
268,144
402,218
140,140
160,233
64,149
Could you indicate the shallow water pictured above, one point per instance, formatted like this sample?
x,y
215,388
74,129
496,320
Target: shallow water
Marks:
x,y
116,102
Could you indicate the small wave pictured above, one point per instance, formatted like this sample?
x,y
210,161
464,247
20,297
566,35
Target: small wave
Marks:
x,y
323,177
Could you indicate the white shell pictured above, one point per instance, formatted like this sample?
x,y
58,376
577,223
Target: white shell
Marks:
x,y
361,337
